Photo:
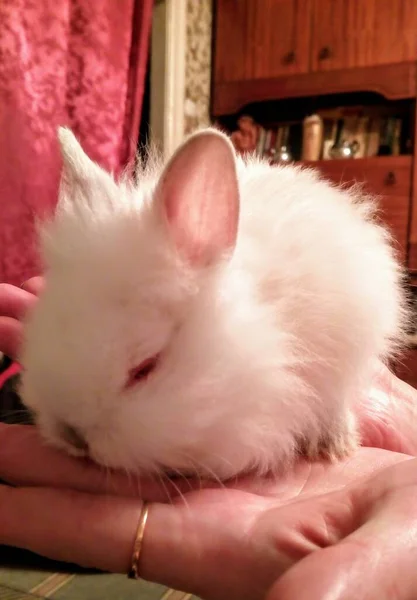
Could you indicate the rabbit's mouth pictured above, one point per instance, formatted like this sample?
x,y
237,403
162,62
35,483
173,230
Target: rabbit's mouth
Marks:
x,y
74,438
181,473
191,473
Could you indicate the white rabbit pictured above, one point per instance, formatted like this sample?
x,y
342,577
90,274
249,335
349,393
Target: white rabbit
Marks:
x,y
219,316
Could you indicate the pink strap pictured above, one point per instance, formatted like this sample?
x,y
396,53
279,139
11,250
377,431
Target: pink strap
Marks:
x,y
9,372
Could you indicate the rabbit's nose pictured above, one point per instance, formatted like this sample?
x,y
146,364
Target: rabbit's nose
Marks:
x,y
73,437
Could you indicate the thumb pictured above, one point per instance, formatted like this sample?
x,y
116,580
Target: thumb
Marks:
x,y
336,573
377,561
34,285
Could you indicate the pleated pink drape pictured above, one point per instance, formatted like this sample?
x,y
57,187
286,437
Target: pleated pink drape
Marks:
x,y
81,63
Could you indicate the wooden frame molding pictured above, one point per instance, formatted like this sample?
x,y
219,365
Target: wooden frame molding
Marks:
x,y
168,62
396,81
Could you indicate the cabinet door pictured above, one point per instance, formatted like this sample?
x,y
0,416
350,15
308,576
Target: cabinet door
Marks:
x,y
406,368
257,39
363,33
388,178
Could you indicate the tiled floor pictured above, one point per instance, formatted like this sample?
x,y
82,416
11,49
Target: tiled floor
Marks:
x,y
27,577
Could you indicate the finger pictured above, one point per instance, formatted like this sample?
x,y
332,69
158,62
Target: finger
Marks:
x,y
187,546
99,531
88,530
387,414
354,570
373,560
11,334
34,285
15,302
25,460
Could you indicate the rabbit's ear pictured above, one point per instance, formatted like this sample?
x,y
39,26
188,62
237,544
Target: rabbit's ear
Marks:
x,y
199,196
79,173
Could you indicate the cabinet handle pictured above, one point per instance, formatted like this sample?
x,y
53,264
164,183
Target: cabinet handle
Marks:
x,y
390,179
325,53
289,58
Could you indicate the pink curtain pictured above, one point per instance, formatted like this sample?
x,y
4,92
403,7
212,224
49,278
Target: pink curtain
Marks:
x,y
81,63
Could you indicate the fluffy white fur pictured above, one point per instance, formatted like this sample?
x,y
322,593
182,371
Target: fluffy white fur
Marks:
x,y
269,317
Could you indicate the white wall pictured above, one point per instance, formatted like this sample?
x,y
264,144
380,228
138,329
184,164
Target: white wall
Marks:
x,y
180,70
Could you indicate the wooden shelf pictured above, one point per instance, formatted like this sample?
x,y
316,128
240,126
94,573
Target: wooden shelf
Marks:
x,y
401,165
381,175
388,162
394,82
388,176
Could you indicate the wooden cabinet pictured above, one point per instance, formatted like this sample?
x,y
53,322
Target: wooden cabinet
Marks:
x,y
258,39
264,39
231,56
267,50
281,34
406,367
388,178
362,33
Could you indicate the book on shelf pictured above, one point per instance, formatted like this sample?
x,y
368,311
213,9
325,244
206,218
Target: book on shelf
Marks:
x,y
267,141
363,136
273,143
278,141
373,136
390,137
349,130
312,138
329,137
396,145
295,140
261,141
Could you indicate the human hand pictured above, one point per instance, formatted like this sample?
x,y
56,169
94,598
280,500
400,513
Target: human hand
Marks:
x,y
348,527
259,530
14,304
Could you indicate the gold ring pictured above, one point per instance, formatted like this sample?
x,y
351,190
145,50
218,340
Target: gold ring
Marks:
x,y
137,546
